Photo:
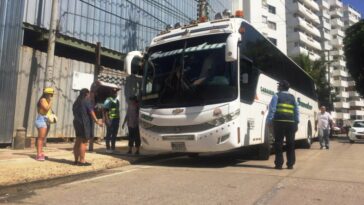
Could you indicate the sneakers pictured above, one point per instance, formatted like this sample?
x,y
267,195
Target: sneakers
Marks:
x,y
40,158
109,151
289,167
278,167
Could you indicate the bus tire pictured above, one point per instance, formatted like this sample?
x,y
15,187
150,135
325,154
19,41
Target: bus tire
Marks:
x,y
264,149
306,143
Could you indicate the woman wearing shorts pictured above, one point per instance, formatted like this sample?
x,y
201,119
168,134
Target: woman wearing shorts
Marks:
x,y
43,107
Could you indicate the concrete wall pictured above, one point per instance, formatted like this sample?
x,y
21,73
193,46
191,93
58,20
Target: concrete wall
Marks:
x,y
29,89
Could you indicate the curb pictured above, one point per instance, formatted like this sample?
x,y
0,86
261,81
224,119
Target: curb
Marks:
x,y
9,191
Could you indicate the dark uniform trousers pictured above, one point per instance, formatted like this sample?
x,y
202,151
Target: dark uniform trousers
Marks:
x,y
281,130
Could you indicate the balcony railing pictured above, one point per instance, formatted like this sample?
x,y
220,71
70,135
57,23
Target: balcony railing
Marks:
x,y
336,13
339,72
312,5
325,5
343,94
358,103
301,9
342,105
339,52
352,19
339,63
337,43
338,32
351,83
353,94
337,4
357,112
326,25
342,116
340,83
337,22
306,26
308,41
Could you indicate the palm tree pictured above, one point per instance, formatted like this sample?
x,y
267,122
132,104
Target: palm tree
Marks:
x,y
317,70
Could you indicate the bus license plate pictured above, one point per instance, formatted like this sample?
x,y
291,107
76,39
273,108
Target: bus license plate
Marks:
x,y
178,146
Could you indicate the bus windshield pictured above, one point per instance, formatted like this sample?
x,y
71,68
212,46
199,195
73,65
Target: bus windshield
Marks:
x,y
189,72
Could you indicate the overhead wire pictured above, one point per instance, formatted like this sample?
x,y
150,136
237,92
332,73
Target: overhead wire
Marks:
x,y
167,10
113,14
145,11
181,12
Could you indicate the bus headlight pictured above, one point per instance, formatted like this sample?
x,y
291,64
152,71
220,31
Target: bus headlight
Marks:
x,y
145,125
224,119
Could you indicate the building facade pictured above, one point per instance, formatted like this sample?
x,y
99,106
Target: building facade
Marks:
x,y
317,28
356,104
268,17
119,25
303,23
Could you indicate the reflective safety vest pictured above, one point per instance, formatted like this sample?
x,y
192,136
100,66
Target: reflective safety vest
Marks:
x,y
285,108
114,112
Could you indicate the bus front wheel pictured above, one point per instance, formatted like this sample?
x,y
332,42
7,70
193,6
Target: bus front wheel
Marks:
x,y
264,149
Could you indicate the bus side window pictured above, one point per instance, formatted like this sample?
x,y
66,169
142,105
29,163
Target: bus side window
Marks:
x,y
248,81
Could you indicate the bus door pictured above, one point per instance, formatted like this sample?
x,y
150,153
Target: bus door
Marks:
x,y
251,110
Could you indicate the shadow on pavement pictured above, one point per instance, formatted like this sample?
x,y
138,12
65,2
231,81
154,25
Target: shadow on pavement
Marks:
x,y
254,166
211,160
62,161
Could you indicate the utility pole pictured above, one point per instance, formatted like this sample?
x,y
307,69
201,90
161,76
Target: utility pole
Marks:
x,y
202,9
94,85
48,81
329,79
98,60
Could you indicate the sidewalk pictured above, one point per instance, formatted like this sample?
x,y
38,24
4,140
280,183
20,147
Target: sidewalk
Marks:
x,y
19,166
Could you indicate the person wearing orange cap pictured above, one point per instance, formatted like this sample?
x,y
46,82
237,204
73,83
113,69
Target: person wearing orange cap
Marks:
x,y
44,106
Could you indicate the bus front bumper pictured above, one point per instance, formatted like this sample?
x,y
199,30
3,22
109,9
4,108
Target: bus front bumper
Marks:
x,y
220,138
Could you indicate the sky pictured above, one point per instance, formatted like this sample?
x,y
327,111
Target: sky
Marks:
x,y
357,4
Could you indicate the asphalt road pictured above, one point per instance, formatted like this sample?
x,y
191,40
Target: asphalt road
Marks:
x,y
334,176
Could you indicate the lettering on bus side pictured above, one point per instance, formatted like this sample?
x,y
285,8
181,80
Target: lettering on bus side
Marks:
x,y
304,105
266,91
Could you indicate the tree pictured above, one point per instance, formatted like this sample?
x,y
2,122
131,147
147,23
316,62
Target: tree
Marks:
x,y
354,49
317,70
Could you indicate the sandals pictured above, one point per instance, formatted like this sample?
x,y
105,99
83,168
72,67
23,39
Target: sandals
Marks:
x,y
40,158
84,164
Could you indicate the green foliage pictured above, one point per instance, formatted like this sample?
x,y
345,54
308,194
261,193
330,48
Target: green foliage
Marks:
x,y
317,70
354,50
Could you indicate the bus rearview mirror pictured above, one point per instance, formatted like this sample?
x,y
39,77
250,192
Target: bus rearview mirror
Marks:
x,y
231,49
132,62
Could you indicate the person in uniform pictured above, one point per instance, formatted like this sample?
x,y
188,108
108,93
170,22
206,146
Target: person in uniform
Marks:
x,y
112,120
283,116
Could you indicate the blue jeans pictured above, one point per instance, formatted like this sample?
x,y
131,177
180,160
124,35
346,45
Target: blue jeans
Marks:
x,y
111,133
324,137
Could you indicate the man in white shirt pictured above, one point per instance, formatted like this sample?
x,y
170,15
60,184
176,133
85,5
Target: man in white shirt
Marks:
x,y
322,124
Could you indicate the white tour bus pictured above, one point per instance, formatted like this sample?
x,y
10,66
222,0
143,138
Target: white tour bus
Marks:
x,y
207,86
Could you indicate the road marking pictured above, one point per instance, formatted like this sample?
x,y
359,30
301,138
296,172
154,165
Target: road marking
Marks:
x,y
108,175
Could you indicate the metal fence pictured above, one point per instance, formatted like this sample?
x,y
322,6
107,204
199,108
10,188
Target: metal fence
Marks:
x,y
30,84
121,25
10,39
